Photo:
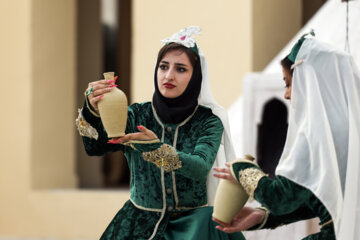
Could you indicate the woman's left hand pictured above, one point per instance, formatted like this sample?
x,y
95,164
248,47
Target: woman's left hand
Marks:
x,y
144,134
224,173
247,218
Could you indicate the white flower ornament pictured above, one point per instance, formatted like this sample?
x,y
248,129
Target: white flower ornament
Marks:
x,y
184,37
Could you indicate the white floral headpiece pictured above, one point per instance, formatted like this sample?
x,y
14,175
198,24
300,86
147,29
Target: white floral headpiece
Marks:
x,y
184,37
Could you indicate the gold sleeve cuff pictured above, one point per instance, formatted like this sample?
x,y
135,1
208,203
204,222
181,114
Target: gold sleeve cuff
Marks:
x,y
164,157
249,179
267,212
88,106
132,142
326,223
84,128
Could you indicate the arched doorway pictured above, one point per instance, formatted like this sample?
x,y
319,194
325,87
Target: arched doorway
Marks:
x,y
271,135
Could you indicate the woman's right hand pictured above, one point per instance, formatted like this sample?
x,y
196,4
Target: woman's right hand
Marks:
x,y
224,173
98,89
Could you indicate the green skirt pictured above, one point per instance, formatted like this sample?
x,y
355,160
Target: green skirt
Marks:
x,y
133,223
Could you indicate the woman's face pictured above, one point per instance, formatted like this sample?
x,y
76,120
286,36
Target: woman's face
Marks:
x,y
174,73
288,82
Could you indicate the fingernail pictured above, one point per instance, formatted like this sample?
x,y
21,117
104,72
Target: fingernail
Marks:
x,y
140,127
113,85
115,77
111,141
101,96
111,81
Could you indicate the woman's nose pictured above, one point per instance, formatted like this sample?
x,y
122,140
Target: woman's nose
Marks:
x,y
170,74
287,94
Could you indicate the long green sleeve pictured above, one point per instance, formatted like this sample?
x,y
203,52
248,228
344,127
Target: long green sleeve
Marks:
x,y
286,200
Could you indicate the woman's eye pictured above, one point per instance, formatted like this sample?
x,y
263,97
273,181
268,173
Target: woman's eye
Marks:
x,y
180,69
163,67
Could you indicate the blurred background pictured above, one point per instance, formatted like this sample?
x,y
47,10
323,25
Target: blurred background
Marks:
x,y
51,49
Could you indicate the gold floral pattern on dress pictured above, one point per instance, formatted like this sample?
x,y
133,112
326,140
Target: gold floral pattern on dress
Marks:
x,y
249,179
84,128
164,157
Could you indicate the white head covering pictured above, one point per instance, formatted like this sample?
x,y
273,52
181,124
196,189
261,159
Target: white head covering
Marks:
x,y
226,151
322,150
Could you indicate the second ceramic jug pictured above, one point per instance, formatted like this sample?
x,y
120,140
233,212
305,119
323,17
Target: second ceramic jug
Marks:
x,y
230,198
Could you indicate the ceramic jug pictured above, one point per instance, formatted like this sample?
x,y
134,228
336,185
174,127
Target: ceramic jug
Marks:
x,y
113,110
230,198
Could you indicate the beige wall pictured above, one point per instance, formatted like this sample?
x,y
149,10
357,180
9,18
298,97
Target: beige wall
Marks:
x,y
225,40
15,121
53,82
37,127
274,23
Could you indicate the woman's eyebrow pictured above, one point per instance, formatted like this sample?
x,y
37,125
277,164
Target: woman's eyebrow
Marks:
x,y
181,64
177,64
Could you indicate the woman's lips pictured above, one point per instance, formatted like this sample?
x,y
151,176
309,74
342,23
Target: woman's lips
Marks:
x,y
168,85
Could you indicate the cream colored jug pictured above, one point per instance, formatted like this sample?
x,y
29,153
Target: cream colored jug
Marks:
x,y
113,110
230,198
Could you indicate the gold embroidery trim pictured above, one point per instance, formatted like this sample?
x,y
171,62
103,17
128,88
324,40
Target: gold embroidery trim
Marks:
x,y
164,157
88,106
326,223
132,142
249,179
267,213
84,128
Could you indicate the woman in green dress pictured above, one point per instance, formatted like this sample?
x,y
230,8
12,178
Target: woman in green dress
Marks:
x,y
171,145
318,173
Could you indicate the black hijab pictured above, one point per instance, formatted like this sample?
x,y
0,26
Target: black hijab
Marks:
x,y
176,110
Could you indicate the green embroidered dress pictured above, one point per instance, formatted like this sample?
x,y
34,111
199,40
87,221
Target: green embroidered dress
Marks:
x,y
286,201
167,201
